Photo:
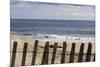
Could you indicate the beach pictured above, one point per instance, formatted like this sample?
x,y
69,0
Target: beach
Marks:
x,y
21,39
51,33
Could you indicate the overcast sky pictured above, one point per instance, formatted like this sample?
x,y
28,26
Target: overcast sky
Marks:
x,y
35,10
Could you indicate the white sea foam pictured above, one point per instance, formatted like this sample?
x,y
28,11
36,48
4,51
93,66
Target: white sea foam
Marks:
x,y
55,36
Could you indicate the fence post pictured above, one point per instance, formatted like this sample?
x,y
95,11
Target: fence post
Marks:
x,y
45,54
94,58
24,54
54,53
63,52
88,55
81,53
34,52
12,63
71,59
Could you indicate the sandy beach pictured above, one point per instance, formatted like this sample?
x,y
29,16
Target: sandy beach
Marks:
x,y
51,33
31,39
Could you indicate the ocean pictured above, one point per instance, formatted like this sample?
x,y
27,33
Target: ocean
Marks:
x,y
42,27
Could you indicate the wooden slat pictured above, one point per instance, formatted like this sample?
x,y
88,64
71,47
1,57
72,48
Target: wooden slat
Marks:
x,y
13,54
45,54
54,53
63,52
24,54
81,53
34,52
94,58
71,59
88,55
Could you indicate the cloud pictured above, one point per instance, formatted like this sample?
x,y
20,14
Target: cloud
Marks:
x,y
37,10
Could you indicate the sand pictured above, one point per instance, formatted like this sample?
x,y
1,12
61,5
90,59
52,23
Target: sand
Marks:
x,y
30,40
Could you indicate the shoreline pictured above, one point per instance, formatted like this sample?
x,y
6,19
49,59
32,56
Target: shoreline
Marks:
x,y
30,39
53,36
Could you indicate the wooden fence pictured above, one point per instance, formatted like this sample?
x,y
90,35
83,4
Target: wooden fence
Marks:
x,y
45,55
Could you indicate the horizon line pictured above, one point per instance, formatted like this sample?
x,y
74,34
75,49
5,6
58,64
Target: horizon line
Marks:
x,y
49,19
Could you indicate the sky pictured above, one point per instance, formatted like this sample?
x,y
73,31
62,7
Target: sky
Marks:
x,y
89,2
21,9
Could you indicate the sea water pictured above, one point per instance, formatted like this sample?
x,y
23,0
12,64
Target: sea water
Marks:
x,y
53,28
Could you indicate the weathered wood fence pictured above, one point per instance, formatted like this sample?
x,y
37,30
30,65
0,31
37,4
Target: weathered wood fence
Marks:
x,y
45,56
